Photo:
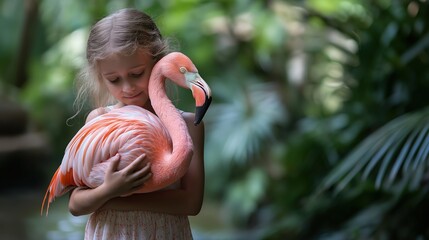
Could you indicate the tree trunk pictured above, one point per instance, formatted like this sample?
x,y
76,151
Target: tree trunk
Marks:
x,y
21,66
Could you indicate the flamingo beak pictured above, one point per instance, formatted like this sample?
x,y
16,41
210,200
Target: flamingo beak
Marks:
x,y
202,95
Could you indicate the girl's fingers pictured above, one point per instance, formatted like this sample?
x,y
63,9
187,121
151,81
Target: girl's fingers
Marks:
x,y
146,177
135,164
114,163
140,182
141,176
141,157
143,171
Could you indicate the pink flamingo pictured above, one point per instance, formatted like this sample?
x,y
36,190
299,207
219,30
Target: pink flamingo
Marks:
x,y
131,131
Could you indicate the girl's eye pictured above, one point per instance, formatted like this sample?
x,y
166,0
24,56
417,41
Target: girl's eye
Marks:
x,y
113,80
136,75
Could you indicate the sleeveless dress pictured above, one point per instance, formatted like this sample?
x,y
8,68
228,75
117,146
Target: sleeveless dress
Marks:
x,y
128,225
141,225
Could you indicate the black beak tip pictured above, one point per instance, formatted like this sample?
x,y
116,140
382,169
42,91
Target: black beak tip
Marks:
x,y
201,111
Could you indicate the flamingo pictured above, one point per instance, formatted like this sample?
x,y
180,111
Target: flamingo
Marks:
x,y
131,131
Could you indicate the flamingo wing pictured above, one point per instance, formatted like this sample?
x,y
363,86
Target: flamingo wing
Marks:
x,y
128,131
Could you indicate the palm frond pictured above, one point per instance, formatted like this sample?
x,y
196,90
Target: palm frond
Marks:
x,y
397,152
246,121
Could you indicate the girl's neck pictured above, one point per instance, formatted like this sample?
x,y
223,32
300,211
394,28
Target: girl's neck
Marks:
x,y
147,106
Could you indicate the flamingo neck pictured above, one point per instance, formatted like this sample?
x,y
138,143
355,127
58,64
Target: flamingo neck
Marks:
x,y
171,118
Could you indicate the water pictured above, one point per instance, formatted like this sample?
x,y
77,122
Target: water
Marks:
x,y
20,218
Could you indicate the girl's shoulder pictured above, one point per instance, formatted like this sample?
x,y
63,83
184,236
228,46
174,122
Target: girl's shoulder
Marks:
x,y
95,113
99,111
196,131
189,118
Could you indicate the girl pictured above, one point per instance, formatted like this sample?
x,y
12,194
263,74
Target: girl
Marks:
x,y
121,51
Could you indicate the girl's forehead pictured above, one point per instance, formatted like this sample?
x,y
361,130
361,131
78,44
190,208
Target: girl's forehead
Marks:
x,y
125,61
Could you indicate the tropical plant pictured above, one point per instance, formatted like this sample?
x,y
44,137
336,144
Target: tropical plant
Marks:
x,y
397,153
384,114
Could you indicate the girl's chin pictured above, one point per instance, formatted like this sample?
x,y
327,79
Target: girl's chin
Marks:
x,y
138,100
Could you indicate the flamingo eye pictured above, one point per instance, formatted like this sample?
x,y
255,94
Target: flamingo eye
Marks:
x,y
183,70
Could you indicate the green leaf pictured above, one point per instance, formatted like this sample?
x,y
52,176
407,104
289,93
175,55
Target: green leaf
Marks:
x,y
402,143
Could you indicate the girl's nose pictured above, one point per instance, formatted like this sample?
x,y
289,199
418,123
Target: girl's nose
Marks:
x,y
128,87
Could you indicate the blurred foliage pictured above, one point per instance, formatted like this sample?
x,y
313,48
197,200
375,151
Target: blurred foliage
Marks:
x,y
308,96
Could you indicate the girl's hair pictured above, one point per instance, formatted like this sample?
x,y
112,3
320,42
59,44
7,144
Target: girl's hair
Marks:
x,y
123,32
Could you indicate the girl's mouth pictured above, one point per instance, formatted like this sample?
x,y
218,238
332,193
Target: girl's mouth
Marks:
x,y
133,96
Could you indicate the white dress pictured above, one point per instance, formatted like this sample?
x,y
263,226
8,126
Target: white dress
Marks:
x,y
128,225
142,225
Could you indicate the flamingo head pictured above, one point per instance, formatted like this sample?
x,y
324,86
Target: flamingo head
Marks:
x,y
185,74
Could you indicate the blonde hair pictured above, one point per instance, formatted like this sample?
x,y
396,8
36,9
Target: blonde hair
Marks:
x,y
123,32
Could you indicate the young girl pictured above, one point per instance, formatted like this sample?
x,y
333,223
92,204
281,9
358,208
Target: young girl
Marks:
x,y
122,49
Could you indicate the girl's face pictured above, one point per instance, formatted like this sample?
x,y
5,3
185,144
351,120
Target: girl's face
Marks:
x,y
127,77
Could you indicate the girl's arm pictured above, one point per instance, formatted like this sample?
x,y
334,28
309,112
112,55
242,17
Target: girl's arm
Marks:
x,y
116,183
187,200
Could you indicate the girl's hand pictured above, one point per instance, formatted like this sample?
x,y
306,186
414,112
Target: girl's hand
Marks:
x,y
126,181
